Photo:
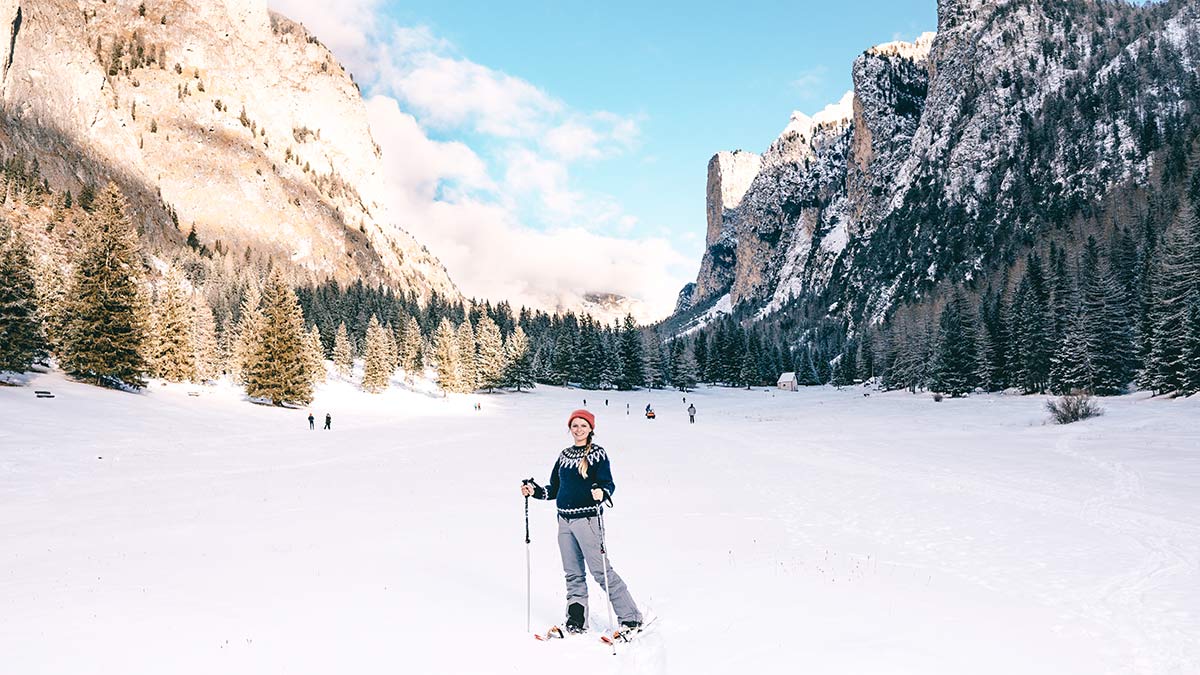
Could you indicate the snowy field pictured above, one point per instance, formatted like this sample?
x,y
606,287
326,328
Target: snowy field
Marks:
x,y
812,532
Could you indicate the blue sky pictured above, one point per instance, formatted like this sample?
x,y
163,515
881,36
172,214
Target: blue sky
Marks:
x,y
585,126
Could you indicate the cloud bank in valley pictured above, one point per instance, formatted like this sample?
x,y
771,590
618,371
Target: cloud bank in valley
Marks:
x,y
478,166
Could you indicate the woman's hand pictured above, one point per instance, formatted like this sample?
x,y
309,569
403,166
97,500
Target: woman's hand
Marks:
x,y
526,490
597,494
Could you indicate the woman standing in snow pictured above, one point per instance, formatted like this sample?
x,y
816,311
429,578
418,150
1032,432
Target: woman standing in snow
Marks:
x,y
580,482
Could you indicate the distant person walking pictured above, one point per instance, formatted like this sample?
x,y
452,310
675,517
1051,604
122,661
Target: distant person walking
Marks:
x,y
311,422
580,483
328,421
692,414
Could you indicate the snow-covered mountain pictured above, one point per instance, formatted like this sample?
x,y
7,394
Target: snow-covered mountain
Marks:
x,y
1017,121
217,115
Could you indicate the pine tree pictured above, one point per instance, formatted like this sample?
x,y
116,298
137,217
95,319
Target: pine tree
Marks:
x,y
656,370
1033,328
1107,334
22,339
563,364
700,353
393,348
613,369
277,369
314,355
50,286
411,346
445,353
1072,361
105,328
519,366
207,356
1178,287
684,367
343,355
631,355
491,354
375,358
1190,358
468,362
248,333
174,352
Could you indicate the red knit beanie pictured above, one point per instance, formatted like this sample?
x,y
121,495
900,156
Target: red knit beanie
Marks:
x,y
584,415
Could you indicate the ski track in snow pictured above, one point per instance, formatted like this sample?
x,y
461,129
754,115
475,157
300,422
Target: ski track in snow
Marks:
x,y
817,532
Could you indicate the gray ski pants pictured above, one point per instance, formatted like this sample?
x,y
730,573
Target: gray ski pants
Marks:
x,y
579,540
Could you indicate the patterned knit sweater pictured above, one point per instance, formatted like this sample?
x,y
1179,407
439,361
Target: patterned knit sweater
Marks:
x,y
572,492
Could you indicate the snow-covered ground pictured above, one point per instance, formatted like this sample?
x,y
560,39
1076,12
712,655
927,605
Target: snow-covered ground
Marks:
x,y
812,532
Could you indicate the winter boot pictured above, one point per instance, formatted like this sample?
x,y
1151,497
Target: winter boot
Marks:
x,y
576,617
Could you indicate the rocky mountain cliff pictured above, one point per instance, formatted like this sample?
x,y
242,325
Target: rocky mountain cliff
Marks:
x,y
1018,121
219,116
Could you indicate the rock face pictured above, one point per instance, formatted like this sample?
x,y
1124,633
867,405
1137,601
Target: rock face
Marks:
x,y
729,177
957,151
218,114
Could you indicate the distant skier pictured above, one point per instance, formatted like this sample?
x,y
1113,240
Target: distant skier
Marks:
x,y
311,422
579,483
328,421
626,408
692,414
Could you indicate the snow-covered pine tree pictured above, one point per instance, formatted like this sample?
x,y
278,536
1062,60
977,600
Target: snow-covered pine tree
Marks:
x,y
393,349
375,358
174,349
314,355
445,353
491,354
985,353
866,355
277,369
700,353
206,353
248,333
1106,326
410,347
1072,366
105,328
343,354
1190,358
1178,285
562,365
683,369
1033,327
656,371
22,339
468,363
226,341
1144,320
613,369
632,356
518,362
51,289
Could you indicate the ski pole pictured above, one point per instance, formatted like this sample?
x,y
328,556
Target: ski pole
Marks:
x,y
528,593
604,557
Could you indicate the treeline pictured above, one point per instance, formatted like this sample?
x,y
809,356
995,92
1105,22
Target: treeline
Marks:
x,y
86,293
1113,316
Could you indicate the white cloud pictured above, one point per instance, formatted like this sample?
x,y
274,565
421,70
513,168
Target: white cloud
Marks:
x,y
466,199
809,82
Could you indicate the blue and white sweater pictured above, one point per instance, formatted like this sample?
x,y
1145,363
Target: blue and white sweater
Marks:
x,y
572,492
